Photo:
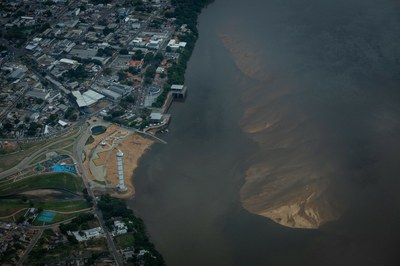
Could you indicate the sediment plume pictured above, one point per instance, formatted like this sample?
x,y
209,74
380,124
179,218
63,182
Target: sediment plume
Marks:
x,y
288,178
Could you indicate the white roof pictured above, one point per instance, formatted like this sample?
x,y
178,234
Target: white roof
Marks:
x,y
68,61
177,87
46,129
62,123
88,98
79,99
155,116
173,43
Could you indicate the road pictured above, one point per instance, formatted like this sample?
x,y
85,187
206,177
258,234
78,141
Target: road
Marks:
x,y
25,162
78,154
30,247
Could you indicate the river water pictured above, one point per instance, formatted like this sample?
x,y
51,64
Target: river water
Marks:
x,y
326,73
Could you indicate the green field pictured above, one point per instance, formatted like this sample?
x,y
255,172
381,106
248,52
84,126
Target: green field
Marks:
x,y
59,218
125,241
8,207
53,180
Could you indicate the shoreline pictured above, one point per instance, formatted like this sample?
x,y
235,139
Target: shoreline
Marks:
x,y
101,161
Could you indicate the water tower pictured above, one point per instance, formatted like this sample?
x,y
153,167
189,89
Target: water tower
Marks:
x,y
121,184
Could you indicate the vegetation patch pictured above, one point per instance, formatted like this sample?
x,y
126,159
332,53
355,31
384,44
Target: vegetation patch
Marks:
x,y
54,180
90,140
8,207
125,241
116,209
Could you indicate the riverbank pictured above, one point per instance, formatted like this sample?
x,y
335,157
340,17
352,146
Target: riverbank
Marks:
x,y
101,159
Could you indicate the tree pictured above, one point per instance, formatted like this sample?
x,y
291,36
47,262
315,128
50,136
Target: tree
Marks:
x,y
148,57
53,117
138,55
124,51
48,13
107,31
121,75
24,198
7,126
78,73
158,58
33,129
150,72
107,71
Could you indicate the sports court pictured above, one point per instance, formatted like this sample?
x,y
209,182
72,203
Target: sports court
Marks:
x,y
64,168
46,216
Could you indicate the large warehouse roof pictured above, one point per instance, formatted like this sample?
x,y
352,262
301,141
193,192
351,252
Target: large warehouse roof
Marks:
x,y
88,98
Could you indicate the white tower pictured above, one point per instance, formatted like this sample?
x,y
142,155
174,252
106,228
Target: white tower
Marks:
x,y
121,184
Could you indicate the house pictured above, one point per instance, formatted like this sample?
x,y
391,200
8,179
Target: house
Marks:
x,y
138,64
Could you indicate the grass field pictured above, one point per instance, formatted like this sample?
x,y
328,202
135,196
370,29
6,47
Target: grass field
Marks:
x,y
39,159
125,241
53,180
59,218
8,207
62,144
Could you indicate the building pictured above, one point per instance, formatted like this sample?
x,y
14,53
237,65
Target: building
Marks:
x,y
120,228
156,118
38,94
174,45
137,64
68,61
88,234
121,184
178,91
88,98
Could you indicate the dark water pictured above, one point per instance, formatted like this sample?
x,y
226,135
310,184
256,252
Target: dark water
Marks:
x,y
338,64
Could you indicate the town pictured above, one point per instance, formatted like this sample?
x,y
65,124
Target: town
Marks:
x,y
83,84
120,61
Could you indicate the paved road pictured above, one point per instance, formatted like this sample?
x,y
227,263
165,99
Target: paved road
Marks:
x,y
78,152
30,247
25,162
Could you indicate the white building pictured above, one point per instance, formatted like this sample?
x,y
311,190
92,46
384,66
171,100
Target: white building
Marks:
x,y
88,234
121,184
174,45
120,228
88,98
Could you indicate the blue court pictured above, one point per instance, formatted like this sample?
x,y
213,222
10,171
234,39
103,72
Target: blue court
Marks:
x,y
64,168
45,219
46,216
